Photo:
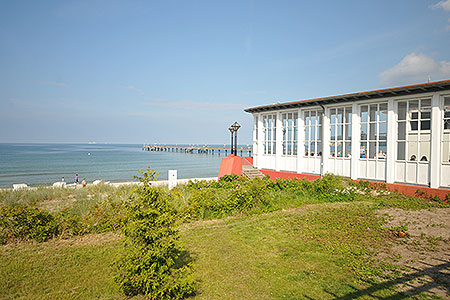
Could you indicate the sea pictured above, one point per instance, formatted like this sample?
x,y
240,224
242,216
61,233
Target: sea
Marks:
x,y
44,164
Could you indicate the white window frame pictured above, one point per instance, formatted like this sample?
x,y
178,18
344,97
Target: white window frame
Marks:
x,y
315,128
289,129
373,124
409,131
269,129
345,126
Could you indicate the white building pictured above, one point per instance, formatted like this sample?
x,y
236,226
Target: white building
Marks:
x,y
395,135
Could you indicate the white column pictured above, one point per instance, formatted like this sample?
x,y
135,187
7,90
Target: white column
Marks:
x,y
391,141
325,141
354,173
279,142
300,141
436,120
260,143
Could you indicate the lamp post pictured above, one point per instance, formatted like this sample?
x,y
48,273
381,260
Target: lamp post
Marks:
x,y
235,127
231,129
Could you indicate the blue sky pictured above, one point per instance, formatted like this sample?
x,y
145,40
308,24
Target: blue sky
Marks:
x,y
183,71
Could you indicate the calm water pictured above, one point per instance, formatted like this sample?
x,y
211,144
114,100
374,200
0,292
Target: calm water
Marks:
x,y
36,164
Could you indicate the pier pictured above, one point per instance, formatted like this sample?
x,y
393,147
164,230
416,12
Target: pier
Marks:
x,y
197,149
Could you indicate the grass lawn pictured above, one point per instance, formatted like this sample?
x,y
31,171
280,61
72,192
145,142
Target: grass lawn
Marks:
x,y
319,251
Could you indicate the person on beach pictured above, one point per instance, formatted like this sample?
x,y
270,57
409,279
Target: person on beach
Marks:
x,y
62,180
76,178
83,183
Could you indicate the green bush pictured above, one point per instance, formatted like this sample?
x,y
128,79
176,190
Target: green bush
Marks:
x,y
153,263
103,216
69,225
26,222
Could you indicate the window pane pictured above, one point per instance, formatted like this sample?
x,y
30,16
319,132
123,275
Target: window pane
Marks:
x,y
412,151
414,125
332,149
425,125
307,129
382,148
364,114
339,149
333,116
401,135
348,115
339,132
295,133
373,113
425,104
340,115
401,151
402,110
373,131
307,119
382,113
414,115
382,135
306,149
413,105
348,149
319,149
372,149
294,145
363,131
348,132
363,150
313,133
319,133
333,132
424,151
425,115
312,148
447,123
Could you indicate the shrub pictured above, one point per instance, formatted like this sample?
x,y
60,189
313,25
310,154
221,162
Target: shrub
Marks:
x,y
152,263
106,215
26,222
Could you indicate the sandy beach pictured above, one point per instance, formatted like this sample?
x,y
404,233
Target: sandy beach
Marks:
x,y
117,184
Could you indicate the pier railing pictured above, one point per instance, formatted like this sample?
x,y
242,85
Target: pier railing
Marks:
x,y
197,149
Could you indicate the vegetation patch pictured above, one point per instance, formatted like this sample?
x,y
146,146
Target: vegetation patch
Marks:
x,y
245,239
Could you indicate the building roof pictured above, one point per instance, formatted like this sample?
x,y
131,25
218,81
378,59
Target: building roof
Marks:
x,y
375,94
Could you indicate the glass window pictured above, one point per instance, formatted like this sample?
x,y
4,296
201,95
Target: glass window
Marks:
x,y
313,133
340,129
289,133
269,128
402,110
373,131
413,130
